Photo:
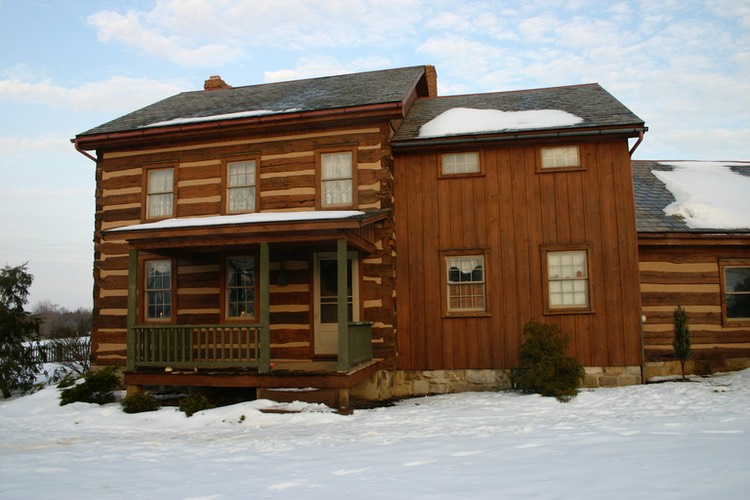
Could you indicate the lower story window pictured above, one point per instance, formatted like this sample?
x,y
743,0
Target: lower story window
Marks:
x,y
240,288
567,280
159,289
465,281
735,277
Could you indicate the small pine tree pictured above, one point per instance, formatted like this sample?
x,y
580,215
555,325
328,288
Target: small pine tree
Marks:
x,y
19,332
545,368
681,341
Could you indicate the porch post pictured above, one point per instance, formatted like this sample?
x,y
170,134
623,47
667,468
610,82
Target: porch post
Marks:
x,y
343,309
132,307
264,363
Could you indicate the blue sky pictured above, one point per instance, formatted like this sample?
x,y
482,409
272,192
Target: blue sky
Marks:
x,y
67,66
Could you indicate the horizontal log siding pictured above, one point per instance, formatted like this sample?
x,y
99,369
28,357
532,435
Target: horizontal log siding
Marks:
x,y
688,275
286,182
509,212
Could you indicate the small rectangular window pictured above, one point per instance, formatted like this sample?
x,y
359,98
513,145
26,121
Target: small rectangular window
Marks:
x,y
158,289
465,284
240,287
560,157
460,163
567,280
241,186
337,179
735,285
160,193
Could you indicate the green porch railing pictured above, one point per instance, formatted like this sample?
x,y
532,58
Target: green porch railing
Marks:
x,y
196,346
360,346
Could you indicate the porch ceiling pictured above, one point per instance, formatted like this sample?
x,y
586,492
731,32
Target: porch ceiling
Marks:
x,y
356,230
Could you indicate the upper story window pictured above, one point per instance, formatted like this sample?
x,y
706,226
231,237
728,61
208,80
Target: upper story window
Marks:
x,y
560,157
735,286
465,284
567,280
336,179
460,163
240,287
158,289
160,193
241,182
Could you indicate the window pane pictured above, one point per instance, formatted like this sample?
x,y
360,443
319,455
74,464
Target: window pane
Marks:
x,y
560,157
337,192
241,199
466,287
241,173
160,198
567,277
336,166
240,290
158,289
460,163
737,292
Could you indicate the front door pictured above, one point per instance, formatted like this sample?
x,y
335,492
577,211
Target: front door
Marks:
x,y
326,300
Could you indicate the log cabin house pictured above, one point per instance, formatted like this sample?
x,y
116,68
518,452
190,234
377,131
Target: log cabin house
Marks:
x,y
361,235
705,269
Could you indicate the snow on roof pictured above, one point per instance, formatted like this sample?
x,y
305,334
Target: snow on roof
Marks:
x,y
254,218
708,195
224,116
457,121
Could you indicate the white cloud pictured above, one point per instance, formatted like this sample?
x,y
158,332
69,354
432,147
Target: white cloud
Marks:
x,y
116,94
325,66
128,29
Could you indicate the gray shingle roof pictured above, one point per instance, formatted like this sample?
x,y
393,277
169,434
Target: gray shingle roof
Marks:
x,y
651,196
591,102
358,89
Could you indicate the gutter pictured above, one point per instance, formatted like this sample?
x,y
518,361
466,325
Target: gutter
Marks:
x,y
513,137
637,143
84,153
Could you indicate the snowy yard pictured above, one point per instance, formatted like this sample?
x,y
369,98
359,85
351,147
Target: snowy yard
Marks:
x,y
669,440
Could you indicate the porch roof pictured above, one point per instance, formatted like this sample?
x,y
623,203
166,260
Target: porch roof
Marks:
x,y
274,227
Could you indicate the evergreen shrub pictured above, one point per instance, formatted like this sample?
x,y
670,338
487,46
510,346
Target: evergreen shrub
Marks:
x,y
97,387
194,403
140,402
545,368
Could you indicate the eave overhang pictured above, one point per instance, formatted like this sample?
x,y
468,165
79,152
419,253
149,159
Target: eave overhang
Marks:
x,y
268,123
357,230
739,238
630,131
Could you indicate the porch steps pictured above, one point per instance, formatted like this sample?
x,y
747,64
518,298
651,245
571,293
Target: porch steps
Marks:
x,y
333,398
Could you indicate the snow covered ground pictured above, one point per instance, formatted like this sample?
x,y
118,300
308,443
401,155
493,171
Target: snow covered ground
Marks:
x,y
659,441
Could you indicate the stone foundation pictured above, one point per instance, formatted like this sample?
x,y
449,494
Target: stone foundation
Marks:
x,y
695,367
394,384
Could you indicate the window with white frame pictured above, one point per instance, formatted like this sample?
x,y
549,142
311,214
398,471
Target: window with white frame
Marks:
x,y
567,280
158,289
465,284
240,287
460,163
241,186
160,193
337,182
560,157
735,277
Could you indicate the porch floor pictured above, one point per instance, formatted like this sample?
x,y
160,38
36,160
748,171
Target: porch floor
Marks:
x,y
285,373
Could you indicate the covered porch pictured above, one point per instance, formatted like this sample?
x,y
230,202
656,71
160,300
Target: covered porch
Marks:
x,y
235,353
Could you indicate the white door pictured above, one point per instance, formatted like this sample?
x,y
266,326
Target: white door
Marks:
x,y
326,300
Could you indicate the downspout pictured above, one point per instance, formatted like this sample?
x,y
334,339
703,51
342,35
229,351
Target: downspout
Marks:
x,y
84,153
637,143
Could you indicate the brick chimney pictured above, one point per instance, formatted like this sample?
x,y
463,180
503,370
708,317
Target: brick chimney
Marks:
x,y
215,83
430,74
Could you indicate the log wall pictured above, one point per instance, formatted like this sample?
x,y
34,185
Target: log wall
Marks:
x,y
687,274
286,182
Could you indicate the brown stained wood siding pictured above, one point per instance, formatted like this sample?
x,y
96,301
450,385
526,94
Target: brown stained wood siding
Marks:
x,y
286,181
509,213
687,274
